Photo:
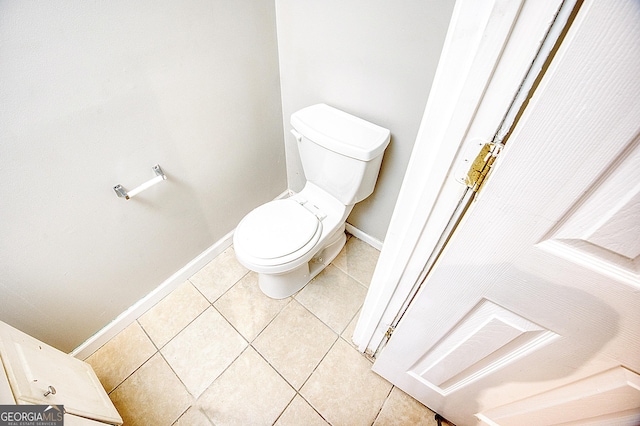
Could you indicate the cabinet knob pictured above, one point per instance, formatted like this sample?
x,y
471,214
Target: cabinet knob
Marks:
x,y
50,390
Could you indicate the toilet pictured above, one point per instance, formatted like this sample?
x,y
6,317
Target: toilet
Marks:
x,y
289,241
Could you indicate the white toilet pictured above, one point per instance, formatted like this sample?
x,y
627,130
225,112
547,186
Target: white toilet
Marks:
x,y
289,241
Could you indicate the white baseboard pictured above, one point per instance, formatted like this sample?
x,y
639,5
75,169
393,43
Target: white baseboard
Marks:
x,y
373,242
140,307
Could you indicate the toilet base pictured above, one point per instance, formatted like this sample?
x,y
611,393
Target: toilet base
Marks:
x,y
280,286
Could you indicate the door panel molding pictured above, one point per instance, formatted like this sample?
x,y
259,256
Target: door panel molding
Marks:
x,y
609,397
485,340
601,231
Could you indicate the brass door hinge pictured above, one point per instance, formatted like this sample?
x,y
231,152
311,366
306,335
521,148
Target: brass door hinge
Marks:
x,y
389,332
482,164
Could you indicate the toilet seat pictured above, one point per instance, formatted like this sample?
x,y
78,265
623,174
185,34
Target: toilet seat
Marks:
x,y
276,233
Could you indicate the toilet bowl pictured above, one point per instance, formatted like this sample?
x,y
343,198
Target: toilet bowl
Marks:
x,y
289,241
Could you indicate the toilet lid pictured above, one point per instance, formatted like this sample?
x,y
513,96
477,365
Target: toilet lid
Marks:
x,y
277,229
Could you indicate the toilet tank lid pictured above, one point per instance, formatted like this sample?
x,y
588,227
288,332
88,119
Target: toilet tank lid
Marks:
x,y
341,132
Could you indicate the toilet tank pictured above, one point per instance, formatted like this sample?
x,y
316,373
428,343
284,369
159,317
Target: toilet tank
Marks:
x,y
340,153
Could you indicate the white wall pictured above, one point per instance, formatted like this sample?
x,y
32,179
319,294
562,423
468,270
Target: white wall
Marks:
x,y
94,94
373,59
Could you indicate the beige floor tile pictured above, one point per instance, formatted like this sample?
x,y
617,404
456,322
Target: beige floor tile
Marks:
x,y
247,308
344,390
402,410
203,350
219,275
358,259
168,317
249,392
300,413
193,417
294,343
121,356
152,395
334,297
347,334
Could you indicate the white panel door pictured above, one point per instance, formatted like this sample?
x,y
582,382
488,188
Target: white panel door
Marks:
x,y
532,313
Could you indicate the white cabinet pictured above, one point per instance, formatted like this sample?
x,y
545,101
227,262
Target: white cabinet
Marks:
x,y
37,373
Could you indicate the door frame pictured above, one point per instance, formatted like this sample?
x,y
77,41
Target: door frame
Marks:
x,y
493,50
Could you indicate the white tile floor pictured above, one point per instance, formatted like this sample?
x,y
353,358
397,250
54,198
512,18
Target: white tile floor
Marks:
x,y
217,351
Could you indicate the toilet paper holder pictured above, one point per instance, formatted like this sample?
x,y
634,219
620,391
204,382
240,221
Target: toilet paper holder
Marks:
x,y
123,193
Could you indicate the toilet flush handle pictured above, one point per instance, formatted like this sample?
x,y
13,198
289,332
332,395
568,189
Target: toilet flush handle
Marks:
x,y
297,135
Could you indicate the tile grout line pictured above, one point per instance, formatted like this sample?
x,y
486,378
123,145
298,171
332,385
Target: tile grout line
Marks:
x,y
250,343
158,349
143,362
338,337
307,379
297,391
386,398
223,293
